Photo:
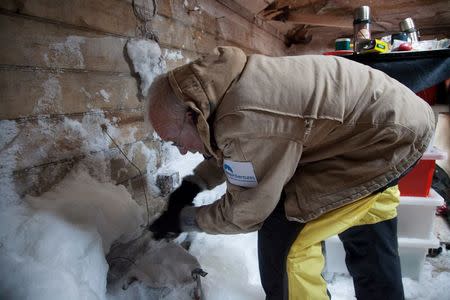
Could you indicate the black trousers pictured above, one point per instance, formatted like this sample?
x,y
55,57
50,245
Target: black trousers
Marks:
x,y
371,257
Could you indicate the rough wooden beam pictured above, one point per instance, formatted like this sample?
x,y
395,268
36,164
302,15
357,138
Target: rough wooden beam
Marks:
x,y
34,92
255,6
239,9
320,20
114,17
250,16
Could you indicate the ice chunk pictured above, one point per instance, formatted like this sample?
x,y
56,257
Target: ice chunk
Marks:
x,y
145,55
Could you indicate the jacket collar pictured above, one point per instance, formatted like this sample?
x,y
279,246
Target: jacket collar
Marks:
x,y
203,83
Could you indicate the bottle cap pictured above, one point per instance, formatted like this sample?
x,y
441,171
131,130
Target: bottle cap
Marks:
x,y
362,14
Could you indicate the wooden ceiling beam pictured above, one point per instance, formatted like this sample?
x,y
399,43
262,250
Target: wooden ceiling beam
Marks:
x,y
315,20
253,18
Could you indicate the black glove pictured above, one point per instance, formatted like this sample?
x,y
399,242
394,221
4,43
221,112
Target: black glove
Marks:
x,y
168,224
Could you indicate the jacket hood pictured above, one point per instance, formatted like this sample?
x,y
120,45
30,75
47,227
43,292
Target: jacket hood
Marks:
x,y
202,84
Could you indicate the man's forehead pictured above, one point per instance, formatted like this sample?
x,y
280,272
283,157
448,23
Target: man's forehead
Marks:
x,y
165,130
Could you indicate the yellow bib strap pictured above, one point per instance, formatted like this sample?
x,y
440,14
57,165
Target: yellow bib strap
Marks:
x,y
305,261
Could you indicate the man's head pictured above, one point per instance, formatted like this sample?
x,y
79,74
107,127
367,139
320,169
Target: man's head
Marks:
x,y
172,119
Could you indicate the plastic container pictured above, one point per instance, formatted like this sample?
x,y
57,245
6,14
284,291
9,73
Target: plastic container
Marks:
x,y
429,94
417,182
342,44
416,215
412,255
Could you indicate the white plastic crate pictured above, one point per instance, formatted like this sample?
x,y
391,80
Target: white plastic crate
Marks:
x,y
412,255
416,215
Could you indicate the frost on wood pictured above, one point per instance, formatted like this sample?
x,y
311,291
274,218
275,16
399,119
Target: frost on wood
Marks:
x,y
66,141
172,54
8,152
50,101
66,53
145,55
105,95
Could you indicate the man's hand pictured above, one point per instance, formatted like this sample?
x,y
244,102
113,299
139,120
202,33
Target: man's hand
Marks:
x,y
168,224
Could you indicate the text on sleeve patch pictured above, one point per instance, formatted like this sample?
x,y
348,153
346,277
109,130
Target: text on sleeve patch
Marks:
x,y
240,173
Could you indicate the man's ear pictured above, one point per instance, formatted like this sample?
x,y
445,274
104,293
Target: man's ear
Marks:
x,y
192,115
189,113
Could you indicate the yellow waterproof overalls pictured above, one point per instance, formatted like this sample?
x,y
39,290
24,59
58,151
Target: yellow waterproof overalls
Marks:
x,y
305,260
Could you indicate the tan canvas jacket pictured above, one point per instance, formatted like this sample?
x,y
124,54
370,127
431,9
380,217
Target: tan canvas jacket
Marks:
x,y
325,130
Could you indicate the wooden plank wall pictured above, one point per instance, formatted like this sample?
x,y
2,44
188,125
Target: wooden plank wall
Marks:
x,y
64,61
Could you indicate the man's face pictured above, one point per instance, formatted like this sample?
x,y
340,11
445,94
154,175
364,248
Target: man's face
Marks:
x,y
182,132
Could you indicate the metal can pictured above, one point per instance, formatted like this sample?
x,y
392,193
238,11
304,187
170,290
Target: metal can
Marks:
x,y
361,27
407,26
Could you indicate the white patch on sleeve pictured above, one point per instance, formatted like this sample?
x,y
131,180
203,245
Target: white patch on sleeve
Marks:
x,y
240,173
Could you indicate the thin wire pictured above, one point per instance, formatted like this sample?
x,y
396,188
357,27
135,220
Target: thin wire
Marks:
x,y
105,130
122,257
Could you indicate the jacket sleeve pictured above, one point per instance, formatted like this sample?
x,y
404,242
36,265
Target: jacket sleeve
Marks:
x,y
208,174
244,209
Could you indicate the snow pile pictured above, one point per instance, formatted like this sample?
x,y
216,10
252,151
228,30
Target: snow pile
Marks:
x,y
45,257
82,200
145,55
58,247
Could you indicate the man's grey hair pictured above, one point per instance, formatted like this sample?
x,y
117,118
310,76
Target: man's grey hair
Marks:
x,y
152,94
161,97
